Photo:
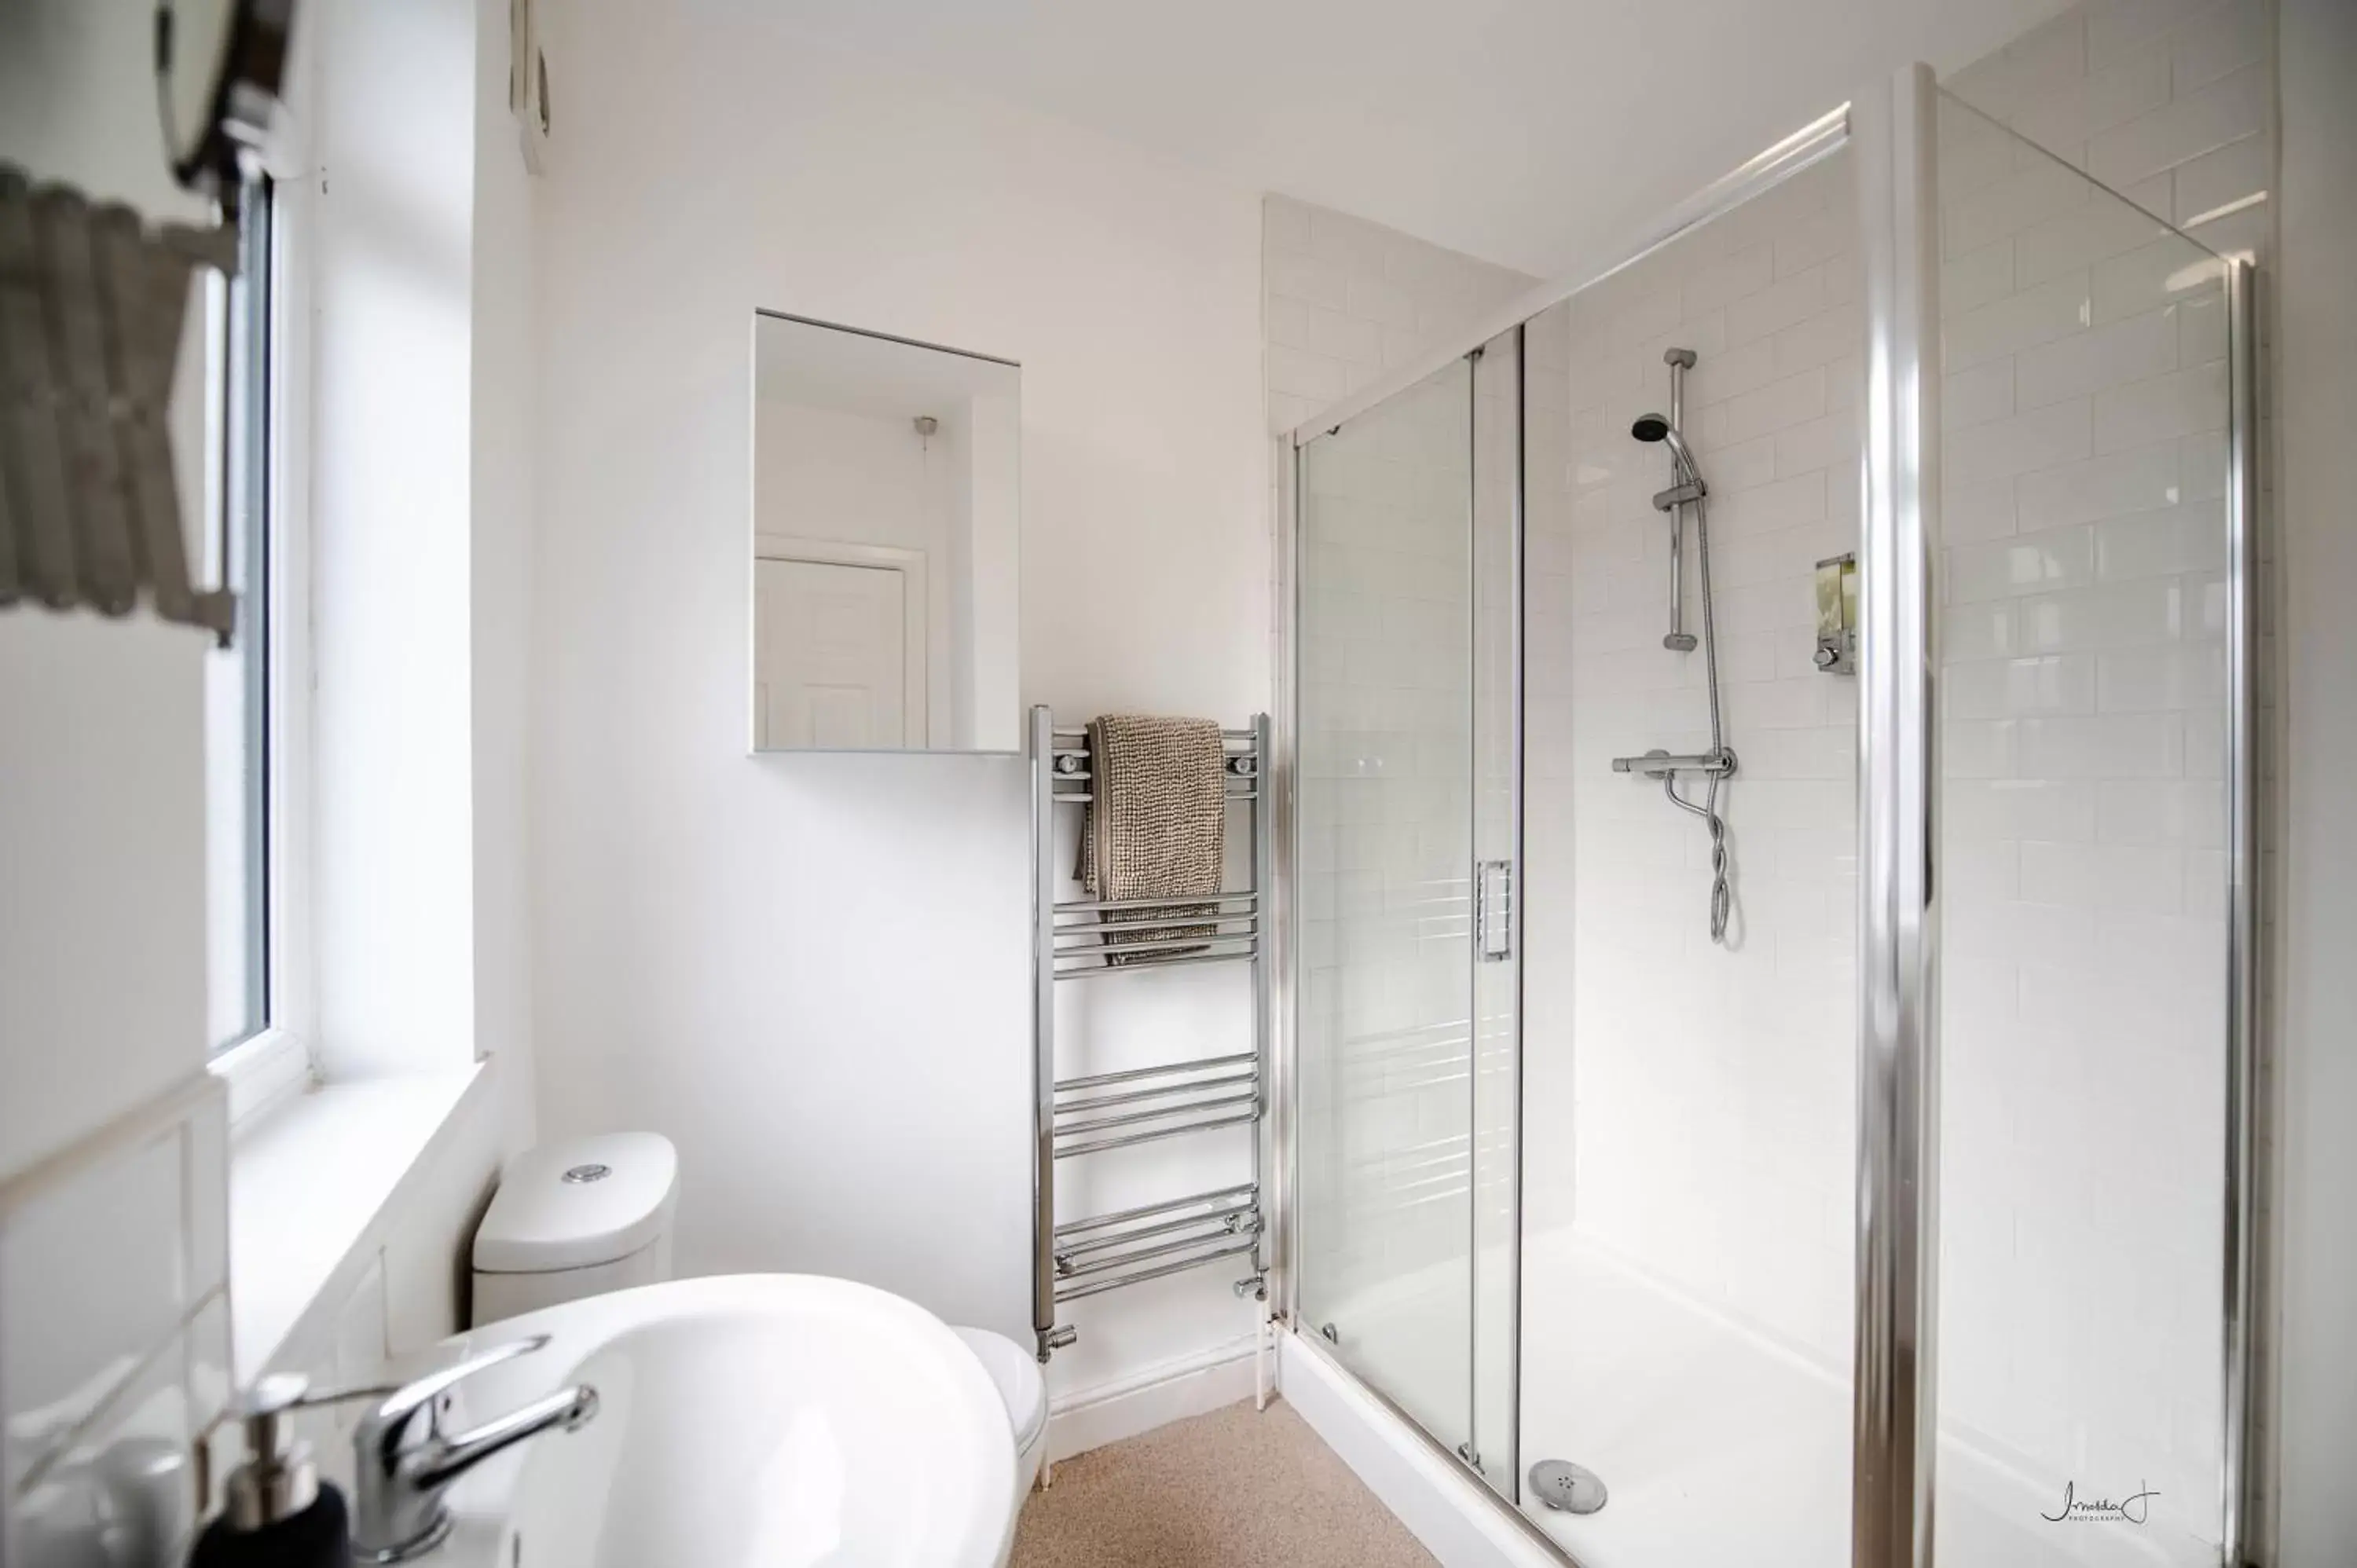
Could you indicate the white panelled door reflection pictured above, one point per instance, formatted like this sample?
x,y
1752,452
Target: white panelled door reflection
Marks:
x,y
833,657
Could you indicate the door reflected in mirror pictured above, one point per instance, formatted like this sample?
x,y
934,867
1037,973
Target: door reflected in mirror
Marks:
x,y
885,521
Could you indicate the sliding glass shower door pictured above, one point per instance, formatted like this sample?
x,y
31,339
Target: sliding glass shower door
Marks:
x,y
1384,840
1405,843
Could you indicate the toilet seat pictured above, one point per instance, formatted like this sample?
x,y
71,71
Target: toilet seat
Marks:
x,y
1019,1379
1024,1390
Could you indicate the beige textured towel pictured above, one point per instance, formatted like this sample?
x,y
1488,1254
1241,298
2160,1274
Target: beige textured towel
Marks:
x,y
1156,822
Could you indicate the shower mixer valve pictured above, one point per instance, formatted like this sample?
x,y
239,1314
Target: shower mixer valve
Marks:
x,y
1718,762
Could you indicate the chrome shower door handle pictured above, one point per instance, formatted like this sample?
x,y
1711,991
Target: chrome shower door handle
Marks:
x,y
1493,909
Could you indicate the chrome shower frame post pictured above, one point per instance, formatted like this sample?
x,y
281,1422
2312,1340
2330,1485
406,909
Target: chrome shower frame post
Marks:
x,y
1894,1438
1280,786
1518,692
1264,881
2243,958
1477,877
1043,1033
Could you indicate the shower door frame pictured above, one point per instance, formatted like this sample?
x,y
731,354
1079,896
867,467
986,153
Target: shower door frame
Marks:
x,y
1894,1373
1894,131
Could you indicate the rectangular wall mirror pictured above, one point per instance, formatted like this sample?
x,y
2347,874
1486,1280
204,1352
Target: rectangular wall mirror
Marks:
x,y
886,513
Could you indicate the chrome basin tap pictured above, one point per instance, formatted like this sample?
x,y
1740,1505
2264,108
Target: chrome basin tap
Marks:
x,y
405,1462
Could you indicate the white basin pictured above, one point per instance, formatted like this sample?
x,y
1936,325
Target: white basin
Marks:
x,y
750,1421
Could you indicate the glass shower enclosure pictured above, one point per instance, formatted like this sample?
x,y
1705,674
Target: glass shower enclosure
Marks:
x,y
1654,1226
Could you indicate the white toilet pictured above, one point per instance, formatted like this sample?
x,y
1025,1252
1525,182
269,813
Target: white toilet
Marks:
x,y
1025,1392
591,1215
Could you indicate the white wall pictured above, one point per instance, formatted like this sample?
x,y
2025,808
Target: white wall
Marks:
x,y
813,971
392,487
2315,1388
826,473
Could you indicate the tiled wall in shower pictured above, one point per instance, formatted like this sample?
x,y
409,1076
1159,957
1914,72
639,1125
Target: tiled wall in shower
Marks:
x,y
1707,1090
2170,101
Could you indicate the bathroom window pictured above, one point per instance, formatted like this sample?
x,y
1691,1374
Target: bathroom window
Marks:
x,y
241,731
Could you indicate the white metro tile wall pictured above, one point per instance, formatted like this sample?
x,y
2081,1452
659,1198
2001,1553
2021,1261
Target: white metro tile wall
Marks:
x,y
1348,299
2167,100
1709,1090
2082,690
113,1320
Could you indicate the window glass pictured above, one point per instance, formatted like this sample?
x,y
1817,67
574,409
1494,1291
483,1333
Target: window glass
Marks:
x,y
236,445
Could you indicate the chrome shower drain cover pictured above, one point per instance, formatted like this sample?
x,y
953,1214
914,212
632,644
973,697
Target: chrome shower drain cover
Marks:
x,y
1567,1488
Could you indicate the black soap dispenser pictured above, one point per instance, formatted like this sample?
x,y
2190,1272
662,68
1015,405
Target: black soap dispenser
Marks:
x,y
277,1512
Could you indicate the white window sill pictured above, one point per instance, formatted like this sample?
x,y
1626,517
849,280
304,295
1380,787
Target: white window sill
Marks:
x,y
311,1183
260,1074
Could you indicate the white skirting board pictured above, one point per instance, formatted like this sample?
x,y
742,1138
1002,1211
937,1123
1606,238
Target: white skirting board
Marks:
x,y
1457,1520
1167,1391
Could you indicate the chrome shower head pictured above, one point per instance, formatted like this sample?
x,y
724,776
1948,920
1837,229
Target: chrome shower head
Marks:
x,y
1651,427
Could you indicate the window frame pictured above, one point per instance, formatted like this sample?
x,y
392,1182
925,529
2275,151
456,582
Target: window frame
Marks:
x,y
277,1061
244,556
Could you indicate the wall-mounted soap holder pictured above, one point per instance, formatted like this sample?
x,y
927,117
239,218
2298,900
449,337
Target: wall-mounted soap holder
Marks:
x,y
1836,652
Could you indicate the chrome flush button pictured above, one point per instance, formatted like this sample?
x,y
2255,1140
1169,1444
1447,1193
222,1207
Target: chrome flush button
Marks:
x,y
580,1176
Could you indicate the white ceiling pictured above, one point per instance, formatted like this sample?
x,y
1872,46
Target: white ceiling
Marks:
x,y
1526,131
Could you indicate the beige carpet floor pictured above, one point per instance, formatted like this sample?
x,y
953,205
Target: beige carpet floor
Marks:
x,y
1230,1489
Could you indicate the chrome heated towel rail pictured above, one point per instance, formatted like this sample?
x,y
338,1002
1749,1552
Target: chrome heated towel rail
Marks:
x,y
1080,938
